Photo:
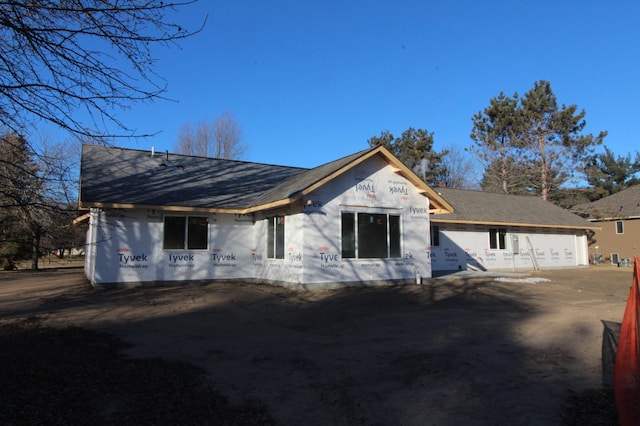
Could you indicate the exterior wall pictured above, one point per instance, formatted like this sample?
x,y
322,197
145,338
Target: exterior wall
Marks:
x,y
125,246
313,252
608,241
465,247
287,271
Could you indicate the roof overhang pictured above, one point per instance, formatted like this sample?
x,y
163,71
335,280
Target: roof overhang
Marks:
x,y
91,205
80,219
438,204
608,219
512,224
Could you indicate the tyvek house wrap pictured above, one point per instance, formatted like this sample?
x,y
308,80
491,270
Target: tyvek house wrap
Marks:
x,y
126,243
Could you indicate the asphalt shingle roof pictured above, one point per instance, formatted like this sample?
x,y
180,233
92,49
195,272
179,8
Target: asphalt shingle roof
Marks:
x,y
134,177
305,179
623,204
492,208
127,176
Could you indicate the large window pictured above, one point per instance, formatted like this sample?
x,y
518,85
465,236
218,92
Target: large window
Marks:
x,y
275,237
498,238
371,235
186,232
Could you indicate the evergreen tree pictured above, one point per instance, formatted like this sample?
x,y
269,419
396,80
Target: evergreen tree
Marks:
x,y
552,138
608,174
506,175
531,142
496,145
415,149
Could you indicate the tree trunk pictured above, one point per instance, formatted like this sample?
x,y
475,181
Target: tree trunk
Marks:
x,y
504,178
505,186
544,172
35,248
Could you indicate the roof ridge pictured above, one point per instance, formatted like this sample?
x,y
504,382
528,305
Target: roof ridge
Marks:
x,y
161,153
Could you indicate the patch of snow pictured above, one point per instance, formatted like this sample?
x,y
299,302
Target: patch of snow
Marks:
x,y
531,280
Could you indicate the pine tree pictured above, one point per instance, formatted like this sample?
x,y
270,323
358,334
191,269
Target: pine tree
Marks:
x,y
415,149
608,174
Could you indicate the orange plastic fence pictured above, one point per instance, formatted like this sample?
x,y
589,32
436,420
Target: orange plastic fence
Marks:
x,y
627,366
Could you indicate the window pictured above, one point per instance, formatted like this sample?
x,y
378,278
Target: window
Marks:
x,y
348,235
275,237
394,236
371,236
435,236
619,227
498,238
190,232
615,258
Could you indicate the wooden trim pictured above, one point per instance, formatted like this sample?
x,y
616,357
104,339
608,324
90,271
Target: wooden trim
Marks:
x,y
248,210
398,167
438,211
424,189
271,205
513,224
86,206
80,219
338,172
612,219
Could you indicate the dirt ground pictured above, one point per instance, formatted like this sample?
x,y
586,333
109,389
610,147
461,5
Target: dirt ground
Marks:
x,y
512,349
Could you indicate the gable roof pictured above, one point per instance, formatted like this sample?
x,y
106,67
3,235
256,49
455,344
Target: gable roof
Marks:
x,y
477,207
126,178
623,204
117,177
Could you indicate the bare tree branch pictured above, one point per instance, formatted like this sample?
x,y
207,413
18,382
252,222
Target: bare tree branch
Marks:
x,y
219,138
58,57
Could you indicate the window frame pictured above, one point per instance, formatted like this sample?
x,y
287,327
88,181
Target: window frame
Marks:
x,y
497,238
276,237
189,233
619,227
434,234
356,233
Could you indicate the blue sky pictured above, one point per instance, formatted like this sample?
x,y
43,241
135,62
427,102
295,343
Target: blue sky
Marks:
x,y
310,82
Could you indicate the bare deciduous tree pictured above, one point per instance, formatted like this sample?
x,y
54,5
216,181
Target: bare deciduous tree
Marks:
x,y
58,58
459,169
35,195
219,138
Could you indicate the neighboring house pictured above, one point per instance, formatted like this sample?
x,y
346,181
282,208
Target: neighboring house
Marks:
x,y
489,231
166,218
618,217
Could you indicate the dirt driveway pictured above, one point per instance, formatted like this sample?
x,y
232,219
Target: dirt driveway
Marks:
x,y
456,350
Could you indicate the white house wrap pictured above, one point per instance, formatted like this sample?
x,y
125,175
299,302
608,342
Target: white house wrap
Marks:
x,y
365,219
360,220
488,231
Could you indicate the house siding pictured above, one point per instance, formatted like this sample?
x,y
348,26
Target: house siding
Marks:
x,y
609,241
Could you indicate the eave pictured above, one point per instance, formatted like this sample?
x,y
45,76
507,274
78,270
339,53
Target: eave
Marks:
x,y
90,205
512,224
